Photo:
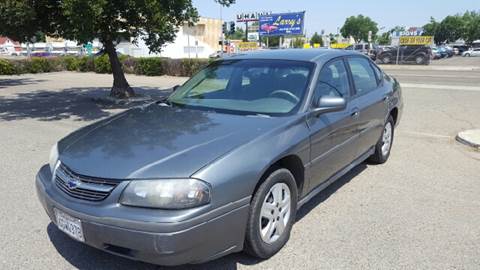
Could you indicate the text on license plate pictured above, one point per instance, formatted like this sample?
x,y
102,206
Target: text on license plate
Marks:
x,y
69,225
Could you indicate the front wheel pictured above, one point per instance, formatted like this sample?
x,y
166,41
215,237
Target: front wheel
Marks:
x,y
272,214
384,144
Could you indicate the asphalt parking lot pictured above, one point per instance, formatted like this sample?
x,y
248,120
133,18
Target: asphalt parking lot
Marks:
x,y
420,210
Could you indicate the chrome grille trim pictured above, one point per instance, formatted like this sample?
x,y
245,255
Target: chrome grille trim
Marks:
x,y
83,187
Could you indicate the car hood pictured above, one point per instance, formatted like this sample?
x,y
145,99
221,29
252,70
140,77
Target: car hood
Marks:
x,y
157,141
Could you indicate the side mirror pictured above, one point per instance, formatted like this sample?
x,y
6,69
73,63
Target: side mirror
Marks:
x,y
175,88
326,104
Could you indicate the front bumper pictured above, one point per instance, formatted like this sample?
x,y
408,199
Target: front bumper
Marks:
x,y
197,239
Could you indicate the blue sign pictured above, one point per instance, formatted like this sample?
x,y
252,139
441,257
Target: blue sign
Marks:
x,y
281,24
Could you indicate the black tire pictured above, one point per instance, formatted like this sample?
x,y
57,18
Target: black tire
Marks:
x,y
254,244
386,59
420,59
379,157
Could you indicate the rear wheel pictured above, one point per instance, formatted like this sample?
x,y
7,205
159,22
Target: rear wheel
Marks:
x,y
387,59
420,59
272,214
384,144
467,55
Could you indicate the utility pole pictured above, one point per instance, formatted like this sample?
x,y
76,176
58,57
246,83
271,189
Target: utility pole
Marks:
x,y
222,34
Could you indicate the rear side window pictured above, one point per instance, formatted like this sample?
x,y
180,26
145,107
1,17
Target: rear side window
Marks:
x,y
363,75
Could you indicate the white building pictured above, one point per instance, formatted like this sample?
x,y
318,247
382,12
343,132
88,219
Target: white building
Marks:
x,y
198,41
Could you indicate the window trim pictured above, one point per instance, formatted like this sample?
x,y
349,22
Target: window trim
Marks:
x,y
315,83
356,93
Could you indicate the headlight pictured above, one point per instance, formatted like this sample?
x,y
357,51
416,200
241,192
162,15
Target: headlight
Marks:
x,y
166,194
53,157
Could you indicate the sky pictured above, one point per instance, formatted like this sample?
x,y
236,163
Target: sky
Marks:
x,y
329,15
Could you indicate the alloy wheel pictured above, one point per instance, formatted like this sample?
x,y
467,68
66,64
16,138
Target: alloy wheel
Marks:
x,y
275,213
387,138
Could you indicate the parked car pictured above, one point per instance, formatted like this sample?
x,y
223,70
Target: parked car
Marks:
x,y
446,51
405,54
460,48
223,164
436,54
472,52
365,49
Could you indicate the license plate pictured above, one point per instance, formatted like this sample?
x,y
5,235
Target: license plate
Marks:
x,y
69,225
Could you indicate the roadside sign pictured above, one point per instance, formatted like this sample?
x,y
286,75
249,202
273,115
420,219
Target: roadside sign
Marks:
x,y
306,46
247,46
416,40
339,45
282,24
251,16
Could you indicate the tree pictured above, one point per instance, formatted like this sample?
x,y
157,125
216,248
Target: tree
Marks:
x,y
471,31
238,34
154,21
358,27
298,42
452,28
433,29
316,39
386,39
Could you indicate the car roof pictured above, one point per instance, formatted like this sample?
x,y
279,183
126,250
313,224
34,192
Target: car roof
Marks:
x,y
310,55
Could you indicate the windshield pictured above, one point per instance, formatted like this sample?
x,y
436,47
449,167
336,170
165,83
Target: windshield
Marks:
x,y
272,87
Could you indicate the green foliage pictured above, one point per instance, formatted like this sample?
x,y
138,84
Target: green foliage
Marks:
x,y
192,66
316,39
451,28
152,66
298,42
38,65
6,67
358,27
385,38
71,63
85,64
102,64
238,34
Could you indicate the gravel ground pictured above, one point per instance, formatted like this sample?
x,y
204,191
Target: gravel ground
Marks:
x,y
420,210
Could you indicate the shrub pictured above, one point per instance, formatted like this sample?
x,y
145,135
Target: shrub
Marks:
x,y
192,66
129,64
102,64
57,64
71,63
38,65
6,67
152,66
85,64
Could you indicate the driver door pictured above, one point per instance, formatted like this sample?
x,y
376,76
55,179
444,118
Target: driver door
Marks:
x,y
332,135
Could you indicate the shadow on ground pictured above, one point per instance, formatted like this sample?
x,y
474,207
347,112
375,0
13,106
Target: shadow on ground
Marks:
x,y
78,103
4,83
85,257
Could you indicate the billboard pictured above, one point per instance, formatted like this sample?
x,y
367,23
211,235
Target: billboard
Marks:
x,y
251,16
281,24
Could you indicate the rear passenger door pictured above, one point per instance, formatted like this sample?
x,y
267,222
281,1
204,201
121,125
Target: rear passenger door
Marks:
x,y
370,97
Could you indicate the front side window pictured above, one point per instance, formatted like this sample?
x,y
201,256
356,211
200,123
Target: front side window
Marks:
x,y
363,75
332,81
247,86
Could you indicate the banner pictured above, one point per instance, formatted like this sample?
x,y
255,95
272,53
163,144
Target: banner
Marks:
x,y
281,24
247,46
416,40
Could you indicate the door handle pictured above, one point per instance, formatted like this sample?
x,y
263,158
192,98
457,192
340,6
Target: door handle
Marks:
x,y
355,114
386,98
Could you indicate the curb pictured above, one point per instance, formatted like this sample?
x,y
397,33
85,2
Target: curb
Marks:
x,y
434,68
470,138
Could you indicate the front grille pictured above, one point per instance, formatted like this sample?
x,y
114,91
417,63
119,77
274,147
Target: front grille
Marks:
x,y
83,187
